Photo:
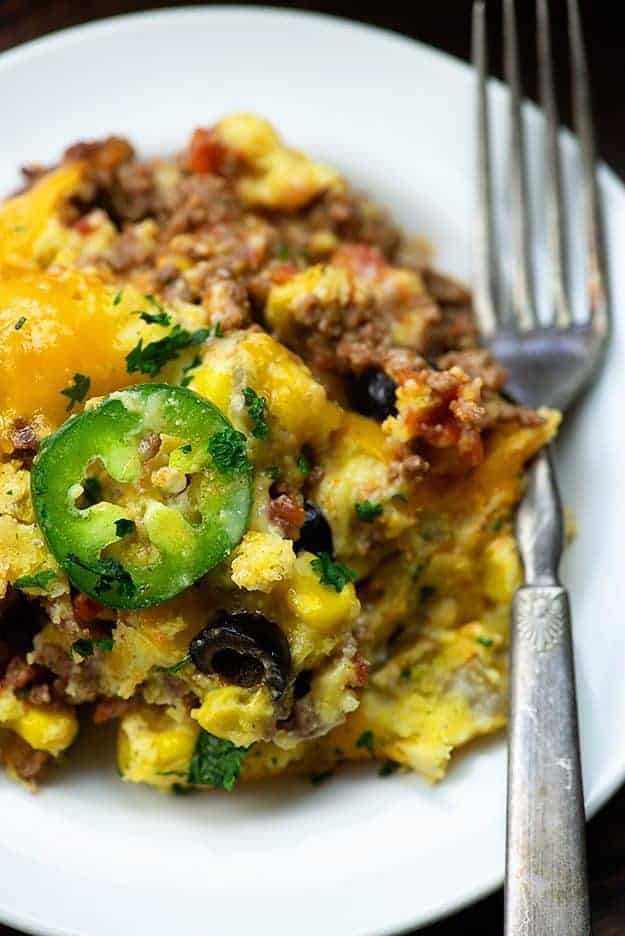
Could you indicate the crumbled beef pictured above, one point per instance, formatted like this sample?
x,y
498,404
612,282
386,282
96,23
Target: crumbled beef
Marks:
x,y
25,761
476,362
18,674
25,442
286,511
129,251
107,709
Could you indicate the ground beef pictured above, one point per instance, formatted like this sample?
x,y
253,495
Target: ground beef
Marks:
x,y
107,709
286,511
18,674
25,761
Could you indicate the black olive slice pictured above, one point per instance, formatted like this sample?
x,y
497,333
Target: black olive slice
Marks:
x,y
373,393
316,534
244,648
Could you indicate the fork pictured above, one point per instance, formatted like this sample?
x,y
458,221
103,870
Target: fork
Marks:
x,y
549,362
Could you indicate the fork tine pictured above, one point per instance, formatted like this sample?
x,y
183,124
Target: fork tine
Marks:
x,y
556,224
599,305
486,304
523,300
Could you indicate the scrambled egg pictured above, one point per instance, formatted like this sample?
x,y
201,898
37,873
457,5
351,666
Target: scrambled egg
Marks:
x,y
407,660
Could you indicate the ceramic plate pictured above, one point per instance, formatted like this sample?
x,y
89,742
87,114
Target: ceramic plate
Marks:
x,y
358,856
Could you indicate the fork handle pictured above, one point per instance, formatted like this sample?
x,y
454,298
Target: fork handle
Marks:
x,y
546,891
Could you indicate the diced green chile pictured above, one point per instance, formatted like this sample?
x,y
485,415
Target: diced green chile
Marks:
x,y
120,570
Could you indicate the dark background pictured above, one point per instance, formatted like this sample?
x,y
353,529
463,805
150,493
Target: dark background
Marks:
x,y
445,23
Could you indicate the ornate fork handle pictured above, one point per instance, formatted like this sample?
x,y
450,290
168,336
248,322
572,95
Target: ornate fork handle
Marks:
x,y
546,891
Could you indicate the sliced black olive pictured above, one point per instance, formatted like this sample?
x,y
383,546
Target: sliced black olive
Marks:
x,y
373,393
301,686
315,535
244,648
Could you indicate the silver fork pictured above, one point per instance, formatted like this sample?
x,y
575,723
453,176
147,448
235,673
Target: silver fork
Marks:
x,y
549,363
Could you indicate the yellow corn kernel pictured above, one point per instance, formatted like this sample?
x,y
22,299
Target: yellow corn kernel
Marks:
x,y
239,715
50,728
154,747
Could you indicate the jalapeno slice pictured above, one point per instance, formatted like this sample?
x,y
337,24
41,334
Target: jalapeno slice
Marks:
x,y
131,501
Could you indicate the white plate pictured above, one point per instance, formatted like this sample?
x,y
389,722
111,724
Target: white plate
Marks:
x,y
358,856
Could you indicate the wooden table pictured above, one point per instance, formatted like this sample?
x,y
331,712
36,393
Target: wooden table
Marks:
x,y
445,24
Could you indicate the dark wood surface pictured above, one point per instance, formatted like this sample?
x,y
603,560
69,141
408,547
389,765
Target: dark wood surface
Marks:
x,y
445,24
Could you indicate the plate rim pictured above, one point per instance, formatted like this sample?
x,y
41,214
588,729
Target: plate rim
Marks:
x,y
609,178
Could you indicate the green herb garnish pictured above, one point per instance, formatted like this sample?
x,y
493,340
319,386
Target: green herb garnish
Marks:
x,y
187,378
218,331
77,391
123,526
38,580
274,472
86,647
368,512
215,762
282,252
175,667
151,358
256,406
366,741
110,574
20,322
156,318
118,297
304,463
228,449
485,641
332,573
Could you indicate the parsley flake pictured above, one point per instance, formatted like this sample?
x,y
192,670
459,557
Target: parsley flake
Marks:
x,y
368,512
187,377
86,647
77,391
274,472
485,641
303,462
151,358
38,580
186,449
366,741
256,406
175,667
332,573
228,449
110,575
20,322
218,331
123,526
118,297
157,318
282,252
215,762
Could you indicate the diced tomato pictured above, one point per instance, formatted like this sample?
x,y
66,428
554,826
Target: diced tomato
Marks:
x,y
204,151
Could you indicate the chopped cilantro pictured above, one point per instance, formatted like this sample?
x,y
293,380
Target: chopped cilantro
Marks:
x,y
92,489
77,391
38,580
274,472
123,526
388,768
157,318
175,667
218,331
303,462
485,641
332,573
187,378
9,493
186,449
405,672
118,297
367,512
151,358
282,252
109,573
318,778
215,762
256,406
366,741
20,322
228,449
86,647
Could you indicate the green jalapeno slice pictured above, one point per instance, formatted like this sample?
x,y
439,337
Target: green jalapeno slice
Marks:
x,y
133,501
